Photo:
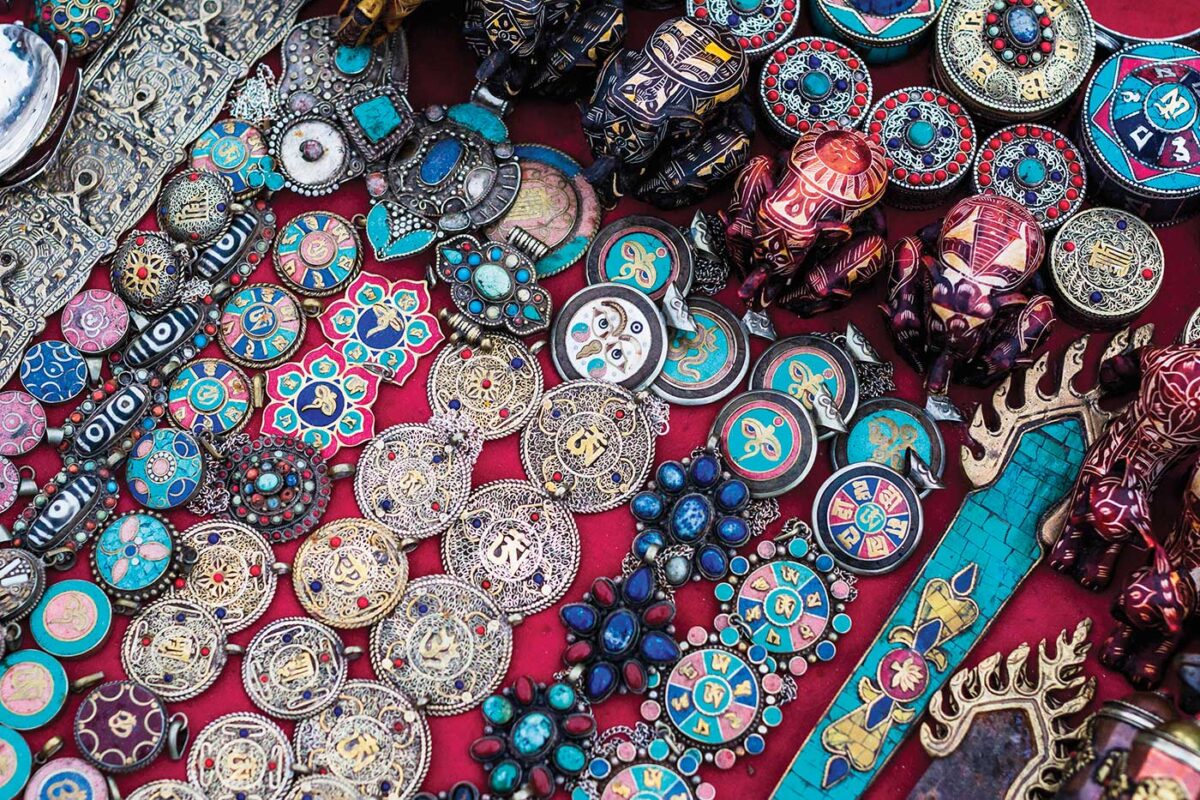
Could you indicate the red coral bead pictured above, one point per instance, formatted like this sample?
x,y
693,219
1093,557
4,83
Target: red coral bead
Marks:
x,y
604,592
579,725
486,748
524,689
577,653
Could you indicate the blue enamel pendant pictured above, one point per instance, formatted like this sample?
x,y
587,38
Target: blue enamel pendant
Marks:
x,y
317,253
806,367
73,619
493,284
643,253
165,468
53,371
261,325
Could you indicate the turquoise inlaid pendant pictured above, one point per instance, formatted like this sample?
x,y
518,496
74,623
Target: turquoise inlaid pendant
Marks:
x,y
16,763
623,770
165,468
210,397
807,367
384,323
1036,166
768,440
868,518
758,25
237,150
73,619
882,30
493,284
708,363
317,253
643,253
787,600
894,433
136,557
261,325
33,689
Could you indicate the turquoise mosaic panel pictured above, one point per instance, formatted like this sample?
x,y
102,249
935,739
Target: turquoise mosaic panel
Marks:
x,y
996,528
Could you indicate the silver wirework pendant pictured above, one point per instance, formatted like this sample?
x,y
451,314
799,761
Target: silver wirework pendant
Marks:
x,y
174,648
497,383
294,667
238,753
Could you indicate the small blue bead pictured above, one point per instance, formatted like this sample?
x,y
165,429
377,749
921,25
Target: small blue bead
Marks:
x,y
600,681
647,539
579,617
658,648
732,496
647,506
733,531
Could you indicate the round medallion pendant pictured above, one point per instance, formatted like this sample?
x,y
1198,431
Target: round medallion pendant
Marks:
x,y
313,155
707,364
317,253
22,583
33,689
798,364
53,372
136,557
474,644
868,518
121,726
210,397
234,574
195,207
649,780
167,790
72,620
810,80
1036,166
371,736
891,432
590,442
498,386
147,272
758,26
294,667
768,440
165,468
350,573
174,648
16,762
1107,266
1191,331
22,423
323,787
277,485
241,753
261,326
67,778
414,479
94,321
645,254
516,544
237,151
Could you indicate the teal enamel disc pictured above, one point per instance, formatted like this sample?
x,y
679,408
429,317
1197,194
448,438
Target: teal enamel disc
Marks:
x,y
134,556
16,762
165,468
73,619
33,689
891,432
261,325
797,364
643,253
768,440
210,396
317,253
709,363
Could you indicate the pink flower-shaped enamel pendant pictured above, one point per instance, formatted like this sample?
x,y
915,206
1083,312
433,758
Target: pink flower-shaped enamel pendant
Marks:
x,y
323,401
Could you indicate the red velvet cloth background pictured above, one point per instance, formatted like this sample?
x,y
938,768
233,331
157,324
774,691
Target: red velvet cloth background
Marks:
x,y
441,72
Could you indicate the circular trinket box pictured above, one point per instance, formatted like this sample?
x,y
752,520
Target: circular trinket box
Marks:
x,y
868,517
147,272
414,479
22,423
312,153
709,687
589,443
94,321
195,207
1011,60
234,575
791,600
121,726
797,364
516,544
1106,266
350,573
642,253
629,772
169,790
497,383
262,325
610,332
707,364
891,432
555,214
67,778
175,648
53,371
812,80
474,644
768,440
1036,166
241,753
33,689
237,151
318,253
22,583
882,30
758,24
16,762
84,25
72,620
930,143
136,557
210,397
294,667
372,736
165,468
1141,130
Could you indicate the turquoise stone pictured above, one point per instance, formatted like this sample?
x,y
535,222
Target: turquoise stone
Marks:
x,y
377,117
492,281
1031,171
570,759
352,60
560,696
480,120
267,482
497,709
532,733
504,777
920,134
440,161
815,85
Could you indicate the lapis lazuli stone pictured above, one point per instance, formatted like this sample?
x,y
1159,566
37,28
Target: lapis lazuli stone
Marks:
x,y
658,648
440,161
600,680
691,518
732,496
671,477
712,561
579,617
532,733
639,586
733,531
647,506
706,471
619,632
1024,25
647,539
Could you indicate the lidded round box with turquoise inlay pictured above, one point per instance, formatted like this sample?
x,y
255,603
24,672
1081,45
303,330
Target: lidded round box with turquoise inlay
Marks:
x,y
84,25
812,80
883,31
1141,131
758,25
1036,166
